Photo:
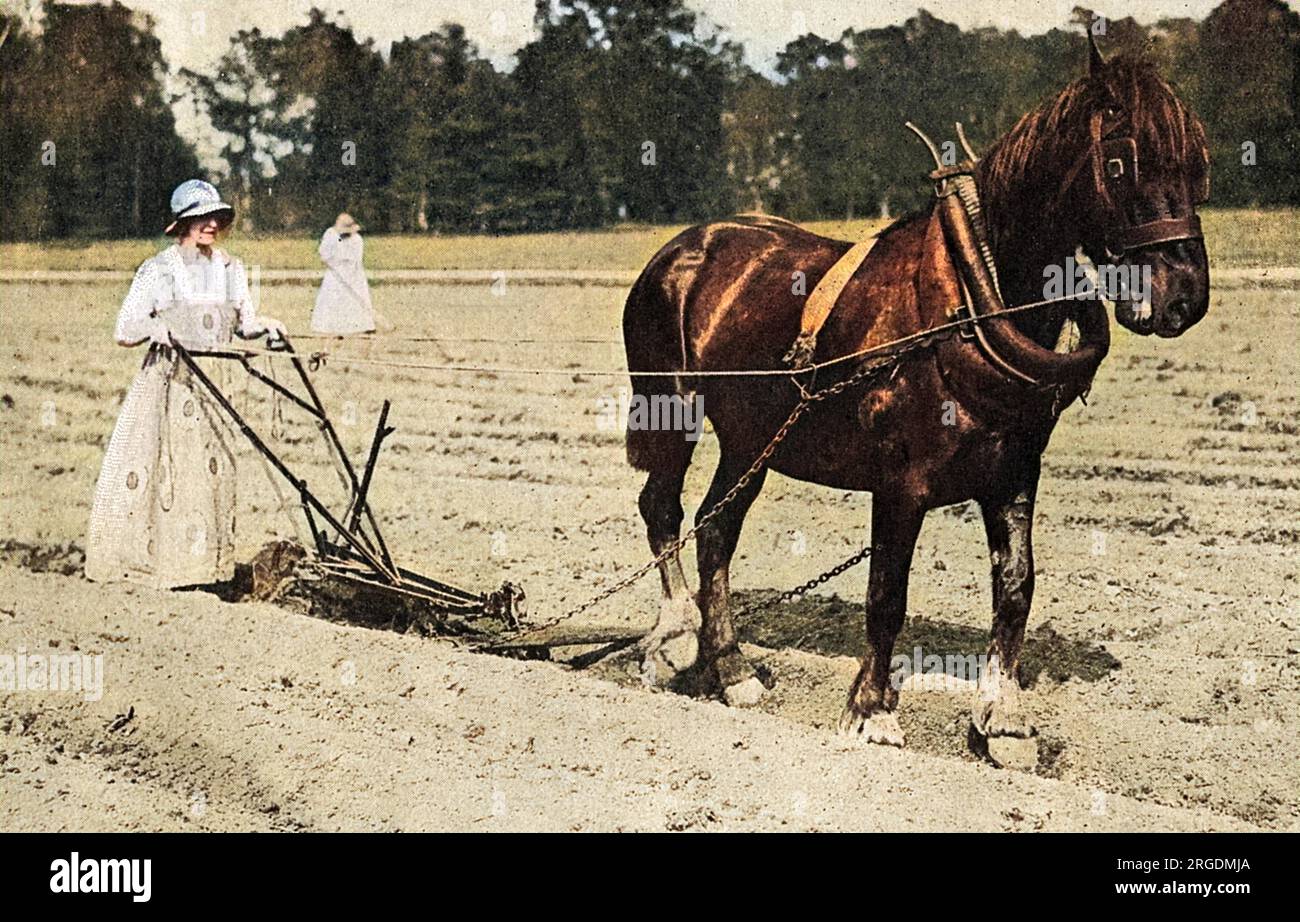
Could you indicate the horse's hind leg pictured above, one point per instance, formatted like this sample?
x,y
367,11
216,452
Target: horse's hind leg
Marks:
x,y
720,656
672,645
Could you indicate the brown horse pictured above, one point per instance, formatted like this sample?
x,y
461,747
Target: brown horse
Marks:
x,y
948,424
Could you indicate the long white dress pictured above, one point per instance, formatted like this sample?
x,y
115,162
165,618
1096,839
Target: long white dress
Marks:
x,y
164,507
343,302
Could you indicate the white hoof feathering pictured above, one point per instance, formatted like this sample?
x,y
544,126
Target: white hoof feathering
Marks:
x,y
673,645
998,712
881,727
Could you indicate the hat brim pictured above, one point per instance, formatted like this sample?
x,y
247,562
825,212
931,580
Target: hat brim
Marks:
x,y
228,212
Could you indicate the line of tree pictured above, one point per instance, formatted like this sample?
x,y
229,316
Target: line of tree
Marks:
x,y
617,110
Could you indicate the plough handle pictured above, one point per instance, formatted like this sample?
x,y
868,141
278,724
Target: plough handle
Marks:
x,y
383,567
382,431
358,505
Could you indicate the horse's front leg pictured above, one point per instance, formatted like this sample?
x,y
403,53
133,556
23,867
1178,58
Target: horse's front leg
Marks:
x,y
869,714
1009,525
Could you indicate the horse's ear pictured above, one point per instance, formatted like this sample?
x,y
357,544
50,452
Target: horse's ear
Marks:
x,y
1095,61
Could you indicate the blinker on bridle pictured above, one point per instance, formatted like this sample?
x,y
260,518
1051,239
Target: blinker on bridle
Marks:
x,y
1116,178
961,216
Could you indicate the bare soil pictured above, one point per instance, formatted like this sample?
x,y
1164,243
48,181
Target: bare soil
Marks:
x,y
1164,647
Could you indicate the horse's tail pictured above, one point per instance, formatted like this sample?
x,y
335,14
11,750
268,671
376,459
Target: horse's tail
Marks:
x,y
654,336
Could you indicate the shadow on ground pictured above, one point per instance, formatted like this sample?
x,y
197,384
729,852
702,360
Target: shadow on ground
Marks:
x,y
832,626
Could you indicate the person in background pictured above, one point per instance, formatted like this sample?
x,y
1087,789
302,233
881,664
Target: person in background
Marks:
x,y
343,302
163,512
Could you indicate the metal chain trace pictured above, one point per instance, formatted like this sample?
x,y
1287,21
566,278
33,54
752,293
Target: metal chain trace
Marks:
x,y
868,370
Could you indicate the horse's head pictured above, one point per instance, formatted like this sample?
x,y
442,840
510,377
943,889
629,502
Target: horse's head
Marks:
x,y
1149,169
1117,165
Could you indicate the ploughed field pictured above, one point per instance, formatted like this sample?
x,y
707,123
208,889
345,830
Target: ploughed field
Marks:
x,y
1163,653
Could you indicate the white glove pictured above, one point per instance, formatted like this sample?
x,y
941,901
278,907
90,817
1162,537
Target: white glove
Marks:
x,y
273,329
160,333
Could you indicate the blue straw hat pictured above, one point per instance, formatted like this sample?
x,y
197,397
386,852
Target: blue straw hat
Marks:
x,y
194,198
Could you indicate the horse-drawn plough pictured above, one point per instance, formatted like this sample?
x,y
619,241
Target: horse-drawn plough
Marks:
x,y
945,297
349,573
348,548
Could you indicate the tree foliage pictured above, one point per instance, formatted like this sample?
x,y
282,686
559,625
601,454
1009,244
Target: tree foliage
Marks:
x,y
88,142
635,110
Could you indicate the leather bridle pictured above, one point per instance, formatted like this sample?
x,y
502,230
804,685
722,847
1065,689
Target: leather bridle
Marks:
x,y
1115,175
1114,164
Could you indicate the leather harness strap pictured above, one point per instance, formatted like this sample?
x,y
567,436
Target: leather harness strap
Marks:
x,y
1166,230
822,301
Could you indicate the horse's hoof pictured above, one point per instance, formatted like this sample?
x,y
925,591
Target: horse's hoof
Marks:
x,y
998,713
878,727
1013,752
666,657
673,646
680,651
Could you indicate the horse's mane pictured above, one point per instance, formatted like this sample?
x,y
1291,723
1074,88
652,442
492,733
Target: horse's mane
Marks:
x,y
1031,160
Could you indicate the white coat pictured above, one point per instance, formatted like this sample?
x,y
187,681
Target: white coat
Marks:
x,y
343,302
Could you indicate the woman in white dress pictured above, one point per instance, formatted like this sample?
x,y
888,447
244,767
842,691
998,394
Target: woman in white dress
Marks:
x,y
164,506
343,302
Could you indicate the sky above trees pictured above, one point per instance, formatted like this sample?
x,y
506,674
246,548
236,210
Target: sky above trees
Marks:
x,y
499,28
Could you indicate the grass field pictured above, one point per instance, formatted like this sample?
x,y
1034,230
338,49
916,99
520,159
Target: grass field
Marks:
x,y
1236,238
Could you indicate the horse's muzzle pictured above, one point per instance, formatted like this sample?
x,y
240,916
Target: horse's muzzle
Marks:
x,y
1174,293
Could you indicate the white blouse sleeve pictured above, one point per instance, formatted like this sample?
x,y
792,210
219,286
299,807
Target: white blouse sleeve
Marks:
x,y
136,321
249,324
329,242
